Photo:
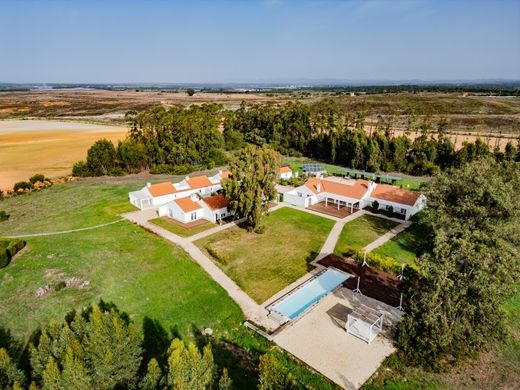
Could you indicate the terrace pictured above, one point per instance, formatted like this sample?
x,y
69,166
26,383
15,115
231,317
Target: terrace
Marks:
x,y
329,208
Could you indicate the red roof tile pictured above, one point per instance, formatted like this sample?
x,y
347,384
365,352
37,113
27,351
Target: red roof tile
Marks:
x,y
199,182
285,170
187,205
216,202
161,189
395,194
354,191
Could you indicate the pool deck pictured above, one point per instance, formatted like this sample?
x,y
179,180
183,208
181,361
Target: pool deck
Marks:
x,y
319,339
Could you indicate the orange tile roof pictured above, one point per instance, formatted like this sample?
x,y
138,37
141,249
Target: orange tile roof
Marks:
x,y
199,182
187,205
216,202
225,174
285,169
354,191
161,189
395,194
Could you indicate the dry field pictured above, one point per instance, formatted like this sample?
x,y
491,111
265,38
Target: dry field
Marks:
x,y
48,147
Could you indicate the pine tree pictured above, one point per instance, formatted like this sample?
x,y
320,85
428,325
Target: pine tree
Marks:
x,y
225,382
51,376
273,376
10,375
152,377
74,374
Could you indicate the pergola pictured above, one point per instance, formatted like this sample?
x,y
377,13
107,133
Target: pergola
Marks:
x,y
365,323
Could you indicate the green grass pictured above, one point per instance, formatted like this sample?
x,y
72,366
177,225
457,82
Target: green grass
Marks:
x,y
263,264
362,231
402,247
63,207
156,283
181,230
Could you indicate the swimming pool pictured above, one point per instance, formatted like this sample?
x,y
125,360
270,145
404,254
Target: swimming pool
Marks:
x,y
294,304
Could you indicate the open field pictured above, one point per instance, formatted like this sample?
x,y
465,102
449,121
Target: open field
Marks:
x,y
263,264
182,231
49,147
362,231
156,283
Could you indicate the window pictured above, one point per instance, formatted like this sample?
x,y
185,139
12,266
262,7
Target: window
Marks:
x,y
193,216
300,195
403,211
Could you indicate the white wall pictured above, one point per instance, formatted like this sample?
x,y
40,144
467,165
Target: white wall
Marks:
x,y
286,175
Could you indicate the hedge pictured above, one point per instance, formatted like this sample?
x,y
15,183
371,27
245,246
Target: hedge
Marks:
x,y
9,248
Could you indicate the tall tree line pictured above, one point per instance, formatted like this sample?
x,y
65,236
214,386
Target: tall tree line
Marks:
x,y
324,132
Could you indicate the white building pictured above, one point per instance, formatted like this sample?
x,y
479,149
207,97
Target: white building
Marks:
x,y
355,195
193,208
286,173
155,195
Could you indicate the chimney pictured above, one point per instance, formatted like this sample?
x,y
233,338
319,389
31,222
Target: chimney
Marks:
x,y
186,178
371,185
318,187
220,172
148,185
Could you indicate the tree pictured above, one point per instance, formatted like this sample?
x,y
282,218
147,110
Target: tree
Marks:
x,y
471,267
152,377
98,348
188,368
190,91
132,155
273,376
101,157
225,382
251,187
10,375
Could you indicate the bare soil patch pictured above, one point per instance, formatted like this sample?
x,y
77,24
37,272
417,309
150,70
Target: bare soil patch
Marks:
x,y
36,146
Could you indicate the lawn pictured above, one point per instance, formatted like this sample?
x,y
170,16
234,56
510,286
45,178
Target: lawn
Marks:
x,y
263,264
182,231
402,247
156,283
362,231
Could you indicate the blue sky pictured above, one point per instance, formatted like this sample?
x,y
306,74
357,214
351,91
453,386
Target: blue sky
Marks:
x,y
250,41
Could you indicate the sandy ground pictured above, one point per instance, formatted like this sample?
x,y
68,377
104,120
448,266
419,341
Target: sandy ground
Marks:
x,y
320,340
49,147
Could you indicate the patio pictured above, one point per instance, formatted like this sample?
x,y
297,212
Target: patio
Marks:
x,y
319,339
330,208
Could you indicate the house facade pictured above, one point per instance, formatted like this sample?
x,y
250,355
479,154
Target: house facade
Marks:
x,y
286,173
152,196
355,195
194,208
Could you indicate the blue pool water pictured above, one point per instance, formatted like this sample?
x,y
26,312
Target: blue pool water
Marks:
x,y
296,303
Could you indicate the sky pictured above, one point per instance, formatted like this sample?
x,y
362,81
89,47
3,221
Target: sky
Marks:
x,y
116,41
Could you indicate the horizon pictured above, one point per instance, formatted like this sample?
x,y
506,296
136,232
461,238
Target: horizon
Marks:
x,y
268,41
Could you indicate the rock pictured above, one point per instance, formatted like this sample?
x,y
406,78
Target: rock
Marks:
x,y
208,331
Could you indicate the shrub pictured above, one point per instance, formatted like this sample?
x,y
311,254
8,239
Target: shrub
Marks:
x,y
171,169
375,205
9,248
117,171
36,178
384,263
23,186
3,216
80,169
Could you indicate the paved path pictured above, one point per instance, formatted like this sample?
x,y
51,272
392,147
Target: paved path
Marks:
x,y
387,236
251,309
65,231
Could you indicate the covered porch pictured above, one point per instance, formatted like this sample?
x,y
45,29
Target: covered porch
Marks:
x,y
336,208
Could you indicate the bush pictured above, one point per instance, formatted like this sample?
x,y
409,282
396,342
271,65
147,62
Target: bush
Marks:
x,y
3,216
375,205
9,248
384,263
38,177
81,169
24,186
117,171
